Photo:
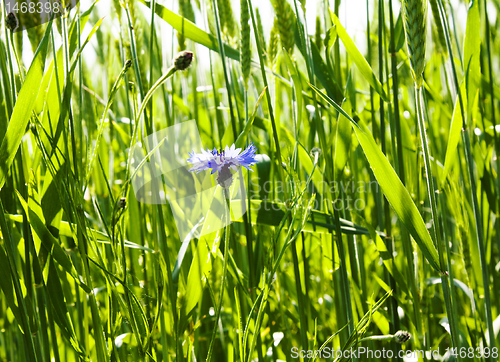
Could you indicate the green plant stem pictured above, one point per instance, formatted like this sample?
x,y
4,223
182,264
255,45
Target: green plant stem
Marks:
x,y
80,91
149,127
227,231
300,297
16,56
436,217
247,220
151,48
11,66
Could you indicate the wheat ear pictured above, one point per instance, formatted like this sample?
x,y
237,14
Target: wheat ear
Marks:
x,y
245,42
415,24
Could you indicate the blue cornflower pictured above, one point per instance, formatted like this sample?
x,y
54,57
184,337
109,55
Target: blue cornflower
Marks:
x,y
223,161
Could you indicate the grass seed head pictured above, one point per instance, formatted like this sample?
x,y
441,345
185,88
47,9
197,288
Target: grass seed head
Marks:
x,y
272,50
415,24
226,17
245,52
260,28
286,22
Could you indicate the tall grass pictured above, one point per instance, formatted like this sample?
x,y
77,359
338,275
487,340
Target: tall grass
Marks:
x,y
373,212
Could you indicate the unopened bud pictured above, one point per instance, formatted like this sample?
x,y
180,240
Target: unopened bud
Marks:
x,y
11,21
316,151
402,336
183,60
128,64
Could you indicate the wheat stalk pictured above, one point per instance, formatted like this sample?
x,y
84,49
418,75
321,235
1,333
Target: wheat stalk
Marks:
x,y
245,42
415,24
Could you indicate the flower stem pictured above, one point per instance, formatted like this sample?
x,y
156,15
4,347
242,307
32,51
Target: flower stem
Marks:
x,y
227,231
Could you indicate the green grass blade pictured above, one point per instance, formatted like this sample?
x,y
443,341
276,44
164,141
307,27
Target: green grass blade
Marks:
x,y
23,108
359,59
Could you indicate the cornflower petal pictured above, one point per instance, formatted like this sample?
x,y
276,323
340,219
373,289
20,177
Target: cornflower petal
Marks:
x,y
228,158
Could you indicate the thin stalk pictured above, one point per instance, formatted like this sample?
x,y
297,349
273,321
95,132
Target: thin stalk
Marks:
x,y
386,216
151,48
336,49
11,68
300,297
18,62
149,127
227,231
80,91
369,48
436,217
346,290
247,220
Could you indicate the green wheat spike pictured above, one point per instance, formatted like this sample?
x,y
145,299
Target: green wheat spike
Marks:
x,y
245,52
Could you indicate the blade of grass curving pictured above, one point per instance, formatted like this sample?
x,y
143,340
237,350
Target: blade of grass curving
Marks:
x,y
358,58
94,30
